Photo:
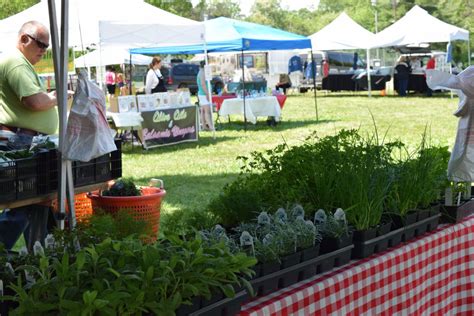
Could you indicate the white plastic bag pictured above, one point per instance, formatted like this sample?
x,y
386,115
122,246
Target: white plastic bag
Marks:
x,y
88,135
461,163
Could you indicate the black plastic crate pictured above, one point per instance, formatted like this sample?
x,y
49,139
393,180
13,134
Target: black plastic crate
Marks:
x,y
104,168
19,178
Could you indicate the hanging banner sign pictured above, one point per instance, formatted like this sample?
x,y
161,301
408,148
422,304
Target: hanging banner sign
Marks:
x,y
169,126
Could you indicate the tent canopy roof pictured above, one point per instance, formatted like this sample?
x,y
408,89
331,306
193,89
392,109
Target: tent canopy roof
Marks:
x,y
110,56
418,26
224,34
84,17
342,33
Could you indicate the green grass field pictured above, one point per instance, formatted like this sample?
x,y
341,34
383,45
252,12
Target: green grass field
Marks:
x,y
194,173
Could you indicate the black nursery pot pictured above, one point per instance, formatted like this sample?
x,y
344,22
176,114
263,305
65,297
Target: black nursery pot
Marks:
x,y
411,218
310,253
384,228
290,260
435,209
216,296
364,235
184,310
423,214
269,267
329,244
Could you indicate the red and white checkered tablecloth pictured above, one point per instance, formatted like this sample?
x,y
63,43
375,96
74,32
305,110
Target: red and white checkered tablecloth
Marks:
x,y
433,275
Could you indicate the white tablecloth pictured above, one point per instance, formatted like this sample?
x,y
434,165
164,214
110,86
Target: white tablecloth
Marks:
x,y
128,119
254,107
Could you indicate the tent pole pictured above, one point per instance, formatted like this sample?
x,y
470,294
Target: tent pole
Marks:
x,y
468,52
313,70
55,50
130,73
243,90
369,81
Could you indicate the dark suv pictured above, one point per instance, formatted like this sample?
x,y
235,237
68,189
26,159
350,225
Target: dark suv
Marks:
x,y
182,75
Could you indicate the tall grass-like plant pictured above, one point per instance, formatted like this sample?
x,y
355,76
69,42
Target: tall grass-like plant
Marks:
x,y
418,176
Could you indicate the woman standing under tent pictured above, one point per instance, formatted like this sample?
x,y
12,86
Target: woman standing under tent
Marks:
x,y
403,70
154,81
110,80
203,96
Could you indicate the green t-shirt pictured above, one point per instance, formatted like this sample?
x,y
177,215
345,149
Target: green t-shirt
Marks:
x,y
18,79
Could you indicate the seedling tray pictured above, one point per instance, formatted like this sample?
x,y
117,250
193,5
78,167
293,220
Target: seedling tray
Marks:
x,y
286,277
455,214
367,248
225,307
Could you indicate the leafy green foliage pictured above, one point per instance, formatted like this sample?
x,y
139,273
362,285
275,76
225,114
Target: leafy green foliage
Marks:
x,y
361,174
124,277
122,187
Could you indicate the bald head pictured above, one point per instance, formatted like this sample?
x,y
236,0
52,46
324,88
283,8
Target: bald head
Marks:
x,y
33,40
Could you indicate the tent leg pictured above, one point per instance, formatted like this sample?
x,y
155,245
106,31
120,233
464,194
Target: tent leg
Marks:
x,y
313,70
243,91
369,81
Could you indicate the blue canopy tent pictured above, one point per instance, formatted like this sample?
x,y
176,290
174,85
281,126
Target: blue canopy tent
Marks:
x,y
229,35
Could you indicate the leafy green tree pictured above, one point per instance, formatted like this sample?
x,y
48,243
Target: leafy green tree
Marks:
x,y
12,7
217,8
182,8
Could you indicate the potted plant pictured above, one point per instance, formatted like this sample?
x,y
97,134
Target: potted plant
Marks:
x,y
142,203
335,233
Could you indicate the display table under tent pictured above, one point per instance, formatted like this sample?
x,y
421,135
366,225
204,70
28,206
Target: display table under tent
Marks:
x,y
432,275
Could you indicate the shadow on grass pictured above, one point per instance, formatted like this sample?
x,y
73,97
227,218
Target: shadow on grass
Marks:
x,y
239,125
204,140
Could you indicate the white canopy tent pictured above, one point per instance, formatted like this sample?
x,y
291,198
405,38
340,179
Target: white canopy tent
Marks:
x,y
110,56
344,33
418,26
84,17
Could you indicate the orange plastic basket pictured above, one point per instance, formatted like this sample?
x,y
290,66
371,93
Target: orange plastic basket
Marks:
x,y
145,208
82,206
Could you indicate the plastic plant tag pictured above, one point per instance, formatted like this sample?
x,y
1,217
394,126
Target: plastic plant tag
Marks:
x,y
1,288
246,239
219,230
263,219
38,249
49,241
320,217
297,211
9,268
29,278
281,216
340,216
23,251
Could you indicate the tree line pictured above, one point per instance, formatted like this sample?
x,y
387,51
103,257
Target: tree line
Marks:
x,y
307,21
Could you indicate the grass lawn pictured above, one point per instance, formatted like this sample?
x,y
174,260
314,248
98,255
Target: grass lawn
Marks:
x,y
194,173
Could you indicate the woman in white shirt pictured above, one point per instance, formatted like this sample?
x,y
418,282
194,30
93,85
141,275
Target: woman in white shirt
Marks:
x,y
154,79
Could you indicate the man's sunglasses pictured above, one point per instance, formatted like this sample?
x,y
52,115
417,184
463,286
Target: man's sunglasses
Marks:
x,y
38,42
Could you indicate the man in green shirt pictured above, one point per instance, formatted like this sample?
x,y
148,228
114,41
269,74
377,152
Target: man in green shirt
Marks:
x,y
26,110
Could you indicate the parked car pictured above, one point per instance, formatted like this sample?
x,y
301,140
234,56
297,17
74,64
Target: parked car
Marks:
x,y
183,75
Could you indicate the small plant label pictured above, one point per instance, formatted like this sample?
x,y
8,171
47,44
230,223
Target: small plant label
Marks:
x,y
320,217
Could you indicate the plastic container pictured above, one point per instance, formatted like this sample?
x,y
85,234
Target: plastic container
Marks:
x,y
146,207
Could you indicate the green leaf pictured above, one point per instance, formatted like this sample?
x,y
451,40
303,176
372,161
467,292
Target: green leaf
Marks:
x,y
228,290
89,296
80,260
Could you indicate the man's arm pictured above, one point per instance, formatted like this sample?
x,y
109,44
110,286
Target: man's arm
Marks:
x,y
40,101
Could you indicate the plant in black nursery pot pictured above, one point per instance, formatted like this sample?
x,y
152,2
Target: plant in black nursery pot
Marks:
x,y
335,232
308,238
